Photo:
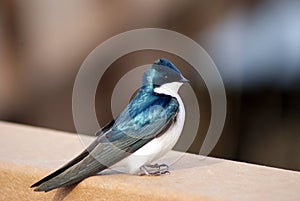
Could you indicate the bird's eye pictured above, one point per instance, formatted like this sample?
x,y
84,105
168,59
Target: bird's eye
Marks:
x,y
165,76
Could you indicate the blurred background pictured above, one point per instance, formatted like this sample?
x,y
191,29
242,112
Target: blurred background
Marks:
x,y
254,43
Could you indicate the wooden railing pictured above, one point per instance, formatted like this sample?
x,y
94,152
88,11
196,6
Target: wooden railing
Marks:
x,y
28,153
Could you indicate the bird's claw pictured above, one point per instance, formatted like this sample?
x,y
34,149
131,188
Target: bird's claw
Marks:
x,y
159,170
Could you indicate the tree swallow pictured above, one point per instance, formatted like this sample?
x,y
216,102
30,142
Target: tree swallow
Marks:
x,y
145,130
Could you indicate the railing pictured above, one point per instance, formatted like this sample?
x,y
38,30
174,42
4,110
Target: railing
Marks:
x,y
28,153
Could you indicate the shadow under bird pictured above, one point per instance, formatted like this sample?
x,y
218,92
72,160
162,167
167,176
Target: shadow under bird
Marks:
x,y
145,130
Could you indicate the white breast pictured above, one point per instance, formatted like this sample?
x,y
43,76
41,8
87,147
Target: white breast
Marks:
x,y
157,147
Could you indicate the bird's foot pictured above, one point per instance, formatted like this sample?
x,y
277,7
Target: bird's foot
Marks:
x,y
158,170
162,168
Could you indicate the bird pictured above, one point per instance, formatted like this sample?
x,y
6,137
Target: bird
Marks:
x,y
147,128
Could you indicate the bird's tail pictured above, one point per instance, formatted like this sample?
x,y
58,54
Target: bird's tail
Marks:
x,y
70,173
85,165
88,167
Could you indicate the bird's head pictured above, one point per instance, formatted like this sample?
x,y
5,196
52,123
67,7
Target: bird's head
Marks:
x,y
163,73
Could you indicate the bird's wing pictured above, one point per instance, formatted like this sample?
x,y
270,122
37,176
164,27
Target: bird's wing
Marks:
x,y
133,130
130,132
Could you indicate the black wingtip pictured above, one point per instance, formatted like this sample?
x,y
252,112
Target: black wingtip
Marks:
x,y
65,167
34,185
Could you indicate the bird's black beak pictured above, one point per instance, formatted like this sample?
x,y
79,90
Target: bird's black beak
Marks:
x,y
184,80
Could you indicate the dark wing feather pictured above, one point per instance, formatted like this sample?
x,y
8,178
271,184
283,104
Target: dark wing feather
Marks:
x,y
66,166
77,159
90,165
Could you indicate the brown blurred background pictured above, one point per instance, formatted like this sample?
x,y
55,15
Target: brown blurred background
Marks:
x,y
254,43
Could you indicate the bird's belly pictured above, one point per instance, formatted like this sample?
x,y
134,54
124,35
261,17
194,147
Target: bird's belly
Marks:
x,y
154,149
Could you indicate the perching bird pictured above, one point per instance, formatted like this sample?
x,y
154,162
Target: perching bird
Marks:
x,y
146,130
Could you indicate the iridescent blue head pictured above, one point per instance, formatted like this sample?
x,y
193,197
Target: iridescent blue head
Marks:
x,y
162,72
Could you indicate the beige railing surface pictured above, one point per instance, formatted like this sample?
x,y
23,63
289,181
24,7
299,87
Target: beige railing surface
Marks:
x,y
28,153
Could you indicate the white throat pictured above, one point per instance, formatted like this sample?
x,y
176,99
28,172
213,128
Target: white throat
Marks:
x,y
169,89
